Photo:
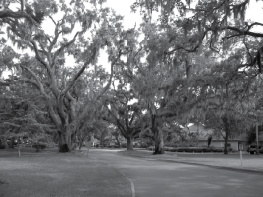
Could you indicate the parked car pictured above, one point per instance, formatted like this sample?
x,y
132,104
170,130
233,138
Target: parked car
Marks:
x,y
252,149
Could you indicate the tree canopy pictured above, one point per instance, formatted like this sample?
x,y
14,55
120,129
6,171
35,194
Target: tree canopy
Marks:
x,y
188,61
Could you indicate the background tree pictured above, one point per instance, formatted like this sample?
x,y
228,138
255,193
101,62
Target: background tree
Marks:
x,y
23,114
125,116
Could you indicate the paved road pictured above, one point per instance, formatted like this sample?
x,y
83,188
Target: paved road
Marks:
x,y
158,178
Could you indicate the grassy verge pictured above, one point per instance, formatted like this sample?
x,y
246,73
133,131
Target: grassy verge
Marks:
x,y
49,173
250,162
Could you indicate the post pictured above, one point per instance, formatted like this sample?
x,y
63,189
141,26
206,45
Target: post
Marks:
x,y
257,136
19,154
240,147
88,146
241,157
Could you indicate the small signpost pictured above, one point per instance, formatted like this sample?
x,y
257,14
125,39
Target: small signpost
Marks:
x,y
193,60
19,147
240,147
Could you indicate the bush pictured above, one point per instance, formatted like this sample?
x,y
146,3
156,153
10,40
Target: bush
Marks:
x,y
2,144
193,149
39,145
124,145
150,148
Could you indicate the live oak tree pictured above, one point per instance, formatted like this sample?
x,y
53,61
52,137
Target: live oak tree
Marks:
x,y
221,27
126,116
123,102
224,98
22,113
80,32
218,27
116,135
162,82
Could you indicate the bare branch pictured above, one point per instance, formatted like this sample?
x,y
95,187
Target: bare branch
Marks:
x,y
38,82
54,41
254,24
74,79
53,20
111,76
191,49
56,54
243,32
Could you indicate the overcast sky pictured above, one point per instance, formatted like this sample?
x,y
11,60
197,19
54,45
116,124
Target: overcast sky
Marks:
x,y
122,7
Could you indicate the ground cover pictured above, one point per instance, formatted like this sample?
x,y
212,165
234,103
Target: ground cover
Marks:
x,y
49,173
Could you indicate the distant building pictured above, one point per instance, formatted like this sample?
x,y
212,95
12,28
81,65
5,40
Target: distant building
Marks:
x,y
218,140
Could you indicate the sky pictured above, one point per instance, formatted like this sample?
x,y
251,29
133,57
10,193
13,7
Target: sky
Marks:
x,y
253,13
122,7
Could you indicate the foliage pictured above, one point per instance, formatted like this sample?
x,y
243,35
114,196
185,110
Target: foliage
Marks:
x,y
199,62
47,71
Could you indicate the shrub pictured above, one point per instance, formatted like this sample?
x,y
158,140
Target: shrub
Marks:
x,y
2,144
193,149
39,145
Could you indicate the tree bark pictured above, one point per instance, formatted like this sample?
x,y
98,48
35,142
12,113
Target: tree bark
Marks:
x,y
80,144
118,142
64,142
129,143
226,128
158,137
159,143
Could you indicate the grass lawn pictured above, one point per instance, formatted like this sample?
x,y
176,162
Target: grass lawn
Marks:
x,y
49,173
250,162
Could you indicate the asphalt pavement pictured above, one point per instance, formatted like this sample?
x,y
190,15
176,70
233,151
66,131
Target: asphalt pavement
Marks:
x,y
151,176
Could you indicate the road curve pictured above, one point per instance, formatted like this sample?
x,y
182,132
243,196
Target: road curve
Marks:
x,y
152,178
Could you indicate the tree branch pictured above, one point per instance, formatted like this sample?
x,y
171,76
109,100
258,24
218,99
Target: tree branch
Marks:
x,y
38,82
56,54
242,32
74,79
18,15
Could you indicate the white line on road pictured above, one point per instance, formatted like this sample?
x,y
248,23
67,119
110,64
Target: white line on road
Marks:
x,y
132,185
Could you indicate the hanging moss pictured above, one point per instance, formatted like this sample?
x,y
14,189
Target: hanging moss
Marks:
x,y
239,10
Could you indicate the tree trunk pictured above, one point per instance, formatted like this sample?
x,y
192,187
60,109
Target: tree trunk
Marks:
x,y
80,143
159,143
118,142
73,141
158,137
5,142
64,143
129,143
226,143
226,128
209,140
